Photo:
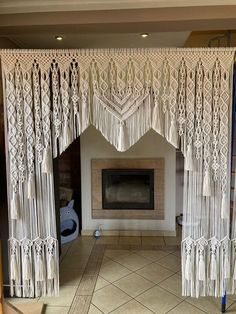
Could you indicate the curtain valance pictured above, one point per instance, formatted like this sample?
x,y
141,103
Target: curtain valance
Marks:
x,y
52,96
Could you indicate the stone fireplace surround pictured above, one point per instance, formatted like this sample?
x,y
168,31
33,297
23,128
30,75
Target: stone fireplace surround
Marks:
x,y
98,212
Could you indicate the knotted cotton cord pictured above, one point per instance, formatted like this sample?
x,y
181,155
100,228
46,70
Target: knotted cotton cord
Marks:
x,y
52,96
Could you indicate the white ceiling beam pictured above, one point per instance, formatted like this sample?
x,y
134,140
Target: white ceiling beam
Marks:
x,y
122,21
27,6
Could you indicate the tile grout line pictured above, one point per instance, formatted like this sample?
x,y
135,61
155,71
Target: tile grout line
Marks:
x,y
70,246
97,307
230,305
80,281
65,254
132,298
103,249
135,272
196,307
151,262
171,292
174,307
145,306
137,268
144,291
174,271
186,300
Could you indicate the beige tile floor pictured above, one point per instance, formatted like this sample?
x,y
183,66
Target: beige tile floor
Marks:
x,y
124,275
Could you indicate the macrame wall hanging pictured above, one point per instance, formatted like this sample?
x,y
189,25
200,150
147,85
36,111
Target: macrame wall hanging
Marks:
x,y
51,97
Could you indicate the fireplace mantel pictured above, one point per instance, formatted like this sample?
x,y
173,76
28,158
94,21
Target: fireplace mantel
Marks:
x,y
156,164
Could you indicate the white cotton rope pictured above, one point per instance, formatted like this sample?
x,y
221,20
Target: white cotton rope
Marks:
x,y
52,96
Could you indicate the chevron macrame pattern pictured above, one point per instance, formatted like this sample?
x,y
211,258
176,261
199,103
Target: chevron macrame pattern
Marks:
x,y
51,97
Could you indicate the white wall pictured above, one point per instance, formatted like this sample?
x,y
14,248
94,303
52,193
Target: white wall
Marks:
x,y
94,145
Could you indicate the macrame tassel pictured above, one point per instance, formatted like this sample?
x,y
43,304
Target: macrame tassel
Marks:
x,y
156,120
201,269
47,160
51,267
207,184
226,268
14,271
189,166
85,115
234,273
31,188
224,207
173,137
188,268
15,206
27,269
67,137
39,269
213,268
123,138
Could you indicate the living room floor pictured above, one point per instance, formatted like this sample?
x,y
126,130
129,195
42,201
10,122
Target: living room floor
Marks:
x,y
125,275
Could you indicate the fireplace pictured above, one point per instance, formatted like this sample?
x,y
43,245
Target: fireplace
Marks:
x,y
128,189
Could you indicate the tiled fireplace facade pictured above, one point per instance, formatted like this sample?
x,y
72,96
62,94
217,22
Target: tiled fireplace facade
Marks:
x,y
156,211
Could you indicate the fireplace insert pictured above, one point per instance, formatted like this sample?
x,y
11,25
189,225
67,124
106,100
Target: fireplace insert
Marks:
x,y
128,188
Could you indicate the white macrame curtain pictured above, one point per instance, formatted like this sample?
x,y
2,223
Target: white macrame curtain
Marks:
x,y
52,96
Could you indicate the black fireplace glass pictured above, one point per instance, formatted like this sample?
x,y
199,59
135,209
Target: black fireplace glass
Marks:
x,y
128,188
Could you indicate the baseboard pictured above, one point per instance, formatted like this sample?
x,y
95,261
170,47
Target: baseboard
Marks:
x,y
132,233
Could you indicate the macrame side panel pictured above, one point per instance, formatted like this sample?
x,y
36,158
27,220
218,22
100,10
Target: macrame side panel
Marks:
x,y
51,97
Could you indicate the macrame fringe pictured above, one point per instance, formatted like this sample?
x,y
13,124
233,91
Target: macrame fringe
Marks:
x,y
122,133
188,268
226,267
190,87
157,122
189,165
27,268
123,138
31,188
51,267
224,207
213,268
201,269
85,115
67,137
47,161
188,264
39,269
173,136
234,270
14,269
15,206
167,125
77,126
200,286
206,184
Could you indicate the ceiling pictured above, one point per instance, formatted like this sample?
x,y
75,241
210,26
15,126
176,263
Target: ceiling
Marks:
x,y
130,40
24,6
111,23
